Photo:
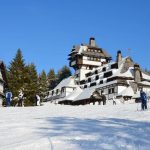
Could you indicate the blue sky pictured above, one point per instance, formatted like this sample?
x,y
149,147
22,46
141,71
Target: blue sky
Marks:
x,y
46,30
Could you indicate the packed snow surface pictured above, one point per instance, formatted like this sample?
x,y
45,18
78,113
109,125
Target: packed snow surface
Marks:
x,y
89,127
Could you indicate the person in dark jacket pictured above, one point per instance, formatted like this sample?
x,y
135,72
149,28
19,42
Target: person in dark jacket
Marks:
x,y
104,98
8,98
143,98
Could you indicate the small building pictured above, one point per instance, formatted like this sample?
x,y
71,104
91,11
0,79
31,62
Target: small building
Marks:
x,y
94,71
3,81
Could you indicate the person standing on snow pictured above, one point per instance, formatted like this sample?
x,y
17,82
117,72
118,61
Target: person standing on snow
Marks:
x,y
20,96
8,98
103,98
143,98
38,100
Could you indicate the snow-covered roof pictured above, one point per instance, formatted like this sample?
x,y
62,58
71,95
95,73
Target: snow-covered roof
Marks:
x,y
127,92
68,82
145,83
74,94
86,93
145,76
136,95
128,73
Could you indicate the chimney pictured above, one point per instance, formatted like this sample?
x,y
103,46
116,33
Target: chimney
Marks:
x,y
137,73
119,56
92,41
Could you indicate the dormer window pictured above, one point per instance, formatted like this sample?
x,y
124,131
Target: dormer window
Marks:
x,y
62,90
93,84
104,69
96,71
101,82
89,79
57,91
114,66
97,77
82,82
108,74
52,93
85,86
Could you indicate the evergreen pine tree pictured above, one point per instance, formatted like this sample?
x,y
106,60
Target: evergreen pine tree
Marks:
x,y
43,85
31,88
51,77
63,73
16,74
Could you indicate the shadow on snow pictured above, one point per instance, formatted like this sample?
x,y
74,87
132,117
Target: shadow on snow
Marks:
x,y
105,133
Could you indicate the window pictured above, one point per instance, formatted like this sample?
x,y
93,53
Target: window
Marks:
x,y
62,90
95,59
96,71
107,74
104,69
93,84
97,77
77,75
52,93
114,66
111,90
88,74
57,91
89,79
90,67
111,79
85,86
82,82
101,82
92,58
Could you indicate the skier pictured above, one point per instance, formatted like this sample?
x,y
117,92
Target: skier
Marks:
x,y
114,101
38,100
8,96
143,98
104,98
20,97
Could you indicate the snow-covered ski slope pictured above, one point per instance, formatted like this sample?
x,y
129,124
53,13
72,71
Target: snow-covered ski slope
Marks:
x,y
56,127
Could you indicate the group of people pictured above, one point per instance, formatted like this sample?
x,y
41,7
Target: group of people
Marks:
x,y
20,99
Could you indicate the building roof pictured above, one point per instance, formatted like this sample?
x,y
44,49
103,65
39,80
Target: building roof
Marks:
x,y
74,94
127,92
68,82
145,83
145,76
80,49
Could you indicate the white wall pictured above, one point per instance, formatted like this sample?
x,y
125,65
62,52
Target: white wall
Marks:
x,y
121,88
1,75
82,73
88,62
68,91
1,100
1,87
147,90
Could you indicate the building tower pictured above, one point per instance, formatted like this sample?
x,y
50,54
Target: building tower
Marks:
x,y
86,57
